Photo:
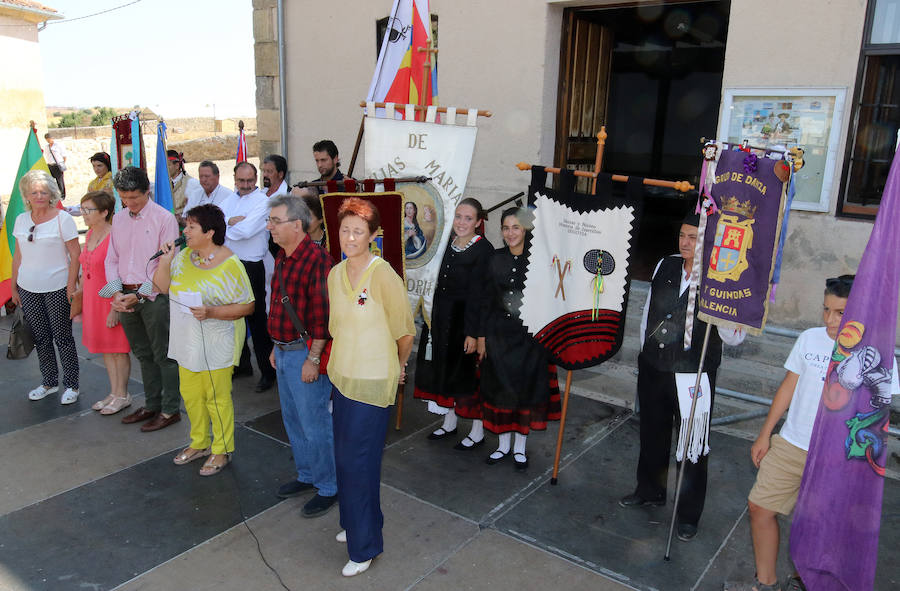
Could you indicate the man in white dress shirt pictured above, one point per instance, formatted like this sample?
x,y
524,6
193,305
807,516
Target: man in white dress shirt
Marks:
x,y
274,172
211,191
246,211
57,162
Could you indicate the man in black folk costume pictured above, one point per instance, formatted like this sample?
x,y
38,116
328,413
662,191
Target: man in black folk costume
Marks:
x,y
662,356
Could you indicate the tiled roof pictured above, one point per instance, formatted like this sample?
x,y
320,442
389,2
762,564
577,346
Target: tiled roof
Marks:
x,y
28,4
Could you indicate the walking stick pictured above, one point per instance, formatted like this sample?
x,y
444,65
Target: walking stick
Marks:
x,y
562,427
687,438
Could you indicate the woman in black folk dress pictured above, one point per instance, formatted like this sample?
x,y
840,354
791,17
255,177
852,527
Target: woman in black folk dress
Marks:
x,y
518,387
446,358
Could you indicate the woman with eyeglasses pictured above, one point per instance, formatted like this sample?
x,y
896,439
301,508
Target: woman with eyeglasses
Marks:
x,y
44,273
101,331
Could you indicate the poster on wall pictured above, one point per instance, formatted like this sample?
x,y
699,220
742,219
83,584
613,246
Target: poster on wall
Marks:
x,y
441,151
780,118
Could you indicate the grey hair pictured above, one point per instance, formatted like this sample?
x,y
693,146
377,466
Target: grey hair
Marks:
x,y
296,208
131,178
39,177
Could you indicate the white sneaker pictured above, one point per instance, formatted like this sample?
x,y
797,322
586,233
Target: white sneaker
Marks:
x,y
42,392
351,569
342,536
70,396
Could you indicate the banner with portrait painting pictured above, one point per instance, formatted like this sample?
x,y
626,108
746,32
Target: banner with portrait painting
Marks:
x,y
441,151
388,243
741,241
576,287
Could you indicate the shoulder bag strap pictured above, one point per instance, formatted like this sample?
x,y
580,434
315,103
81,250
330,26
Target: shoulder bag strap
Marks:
x,y
292,313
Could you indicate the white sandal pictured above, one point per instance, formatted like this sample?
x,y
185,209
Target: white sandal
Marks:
x,y
101,403
70,396
42,392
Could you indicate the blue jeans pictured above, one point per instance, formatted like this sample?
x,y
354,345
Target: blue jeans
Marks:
x,y
304,409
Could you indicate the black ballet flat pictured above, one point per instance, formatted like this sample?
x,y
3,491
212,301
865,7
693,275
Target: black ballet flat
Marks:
x,y
438,436
460,447
520,466
491,461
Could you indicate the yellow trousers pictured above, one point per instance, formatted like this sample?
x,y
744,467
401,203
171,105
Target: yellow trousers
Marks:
x,y
207,399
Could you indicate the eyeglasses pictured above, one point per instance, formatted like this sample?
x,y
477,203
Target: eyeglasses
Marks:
x,y
276,221
31,233
88,209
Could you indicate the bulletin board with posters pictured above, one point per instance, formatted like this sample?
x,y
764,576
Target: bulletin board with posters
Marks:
x,y
781,118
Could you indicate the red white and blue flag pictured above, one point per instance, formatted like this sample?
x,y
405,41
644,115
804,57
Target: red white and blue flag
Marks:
x,y
406,72
834,536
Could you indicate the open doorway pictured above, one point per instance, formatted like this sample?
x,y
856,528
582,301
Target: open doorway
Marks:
x,y
653,76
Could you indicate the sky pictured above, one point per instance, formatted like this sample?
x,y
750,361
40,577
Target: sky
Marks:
x,y
181,58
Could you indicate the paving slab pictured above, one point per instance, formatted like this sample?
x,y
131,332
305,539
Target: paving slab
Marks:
x,y
462,482
107,531
20,376
418,539
735,562
496,561
580,517
46,459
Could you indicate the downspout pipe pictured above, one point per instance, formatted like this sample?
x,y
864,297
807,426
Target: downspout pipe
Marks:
x,y
281,80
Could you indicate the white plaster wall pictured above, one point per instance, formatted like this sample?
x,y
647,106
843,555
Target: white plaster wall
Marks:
x,y
21,94
503,57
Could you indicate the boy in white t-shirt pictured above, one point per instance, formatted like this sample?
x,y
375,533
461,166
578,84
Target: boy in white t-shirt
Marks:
x,y
781,457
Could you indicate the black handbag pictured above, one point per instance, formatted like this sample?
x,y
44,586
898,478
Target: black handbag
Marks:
x,y
21,339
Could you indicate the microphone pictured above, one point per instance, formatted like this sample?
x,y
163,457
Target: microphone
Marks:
x,y
179,242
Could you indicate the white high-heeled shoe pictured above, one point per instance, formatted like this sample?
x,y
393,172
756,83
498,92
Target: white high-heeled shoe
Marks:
x,y
351,569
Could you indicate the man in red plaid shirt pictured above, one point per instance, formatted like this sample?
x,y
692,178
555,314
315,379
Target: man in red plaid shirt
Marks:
x,y
301,269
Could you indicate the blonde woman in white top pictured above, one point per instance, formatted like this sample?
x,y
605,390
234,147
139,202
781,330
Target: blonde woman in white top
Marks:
x,y
45,273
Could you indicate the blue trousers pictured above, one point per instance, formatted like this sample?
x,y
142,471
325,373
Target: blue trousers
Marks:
x,y
304,410
359,433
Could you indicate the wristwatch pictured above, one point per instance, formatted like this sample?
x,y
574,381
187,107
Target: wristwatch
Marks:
x,y
313,359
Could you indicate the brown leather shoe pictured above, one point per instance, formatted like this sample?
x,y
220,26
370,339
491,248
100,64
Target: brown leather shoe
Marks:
x,y
141,414
160,422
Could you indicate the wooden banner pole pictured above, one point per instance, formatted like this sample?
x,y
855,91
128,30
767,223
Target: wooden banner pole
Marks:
x,y
359,136
682,186
562,427
598,162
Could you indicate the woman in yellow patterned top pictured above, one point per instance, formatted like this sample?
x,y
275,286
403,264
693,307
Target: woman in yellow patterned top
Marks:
x,y
209,295
103,181
372,327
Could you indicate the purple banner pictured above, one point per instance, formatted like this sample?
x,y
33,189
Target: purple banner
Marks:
x,y
834,537
740,242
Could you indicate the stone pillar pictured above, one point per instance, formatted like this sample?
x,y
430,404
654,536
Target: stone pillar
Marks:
x,y
268,95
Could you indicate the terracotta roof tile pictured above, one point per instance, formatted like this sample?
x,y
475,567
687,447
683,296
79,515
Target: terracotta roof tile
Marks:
x,y
29,4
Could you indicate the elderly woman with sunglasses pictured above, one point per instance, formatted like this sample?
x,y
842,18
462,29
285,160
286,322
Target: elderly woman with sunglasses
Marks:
x,y
45,271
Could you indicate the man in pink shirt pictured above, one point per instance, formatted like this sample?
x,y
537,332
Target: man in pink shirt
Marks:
x,y
138,231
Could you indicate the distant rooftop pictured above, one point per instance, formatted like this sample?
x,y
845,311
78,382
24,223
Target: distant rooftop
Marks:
x,y
29,10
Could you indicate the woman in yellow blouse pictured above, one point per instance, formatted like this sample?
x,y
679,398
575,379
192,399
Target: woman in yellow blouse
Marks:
x,y
372,326
209,295
103,182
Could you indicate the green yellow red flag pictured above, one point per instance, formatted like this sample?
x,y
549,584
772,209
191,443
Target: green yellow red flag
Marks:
x,y
32,159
